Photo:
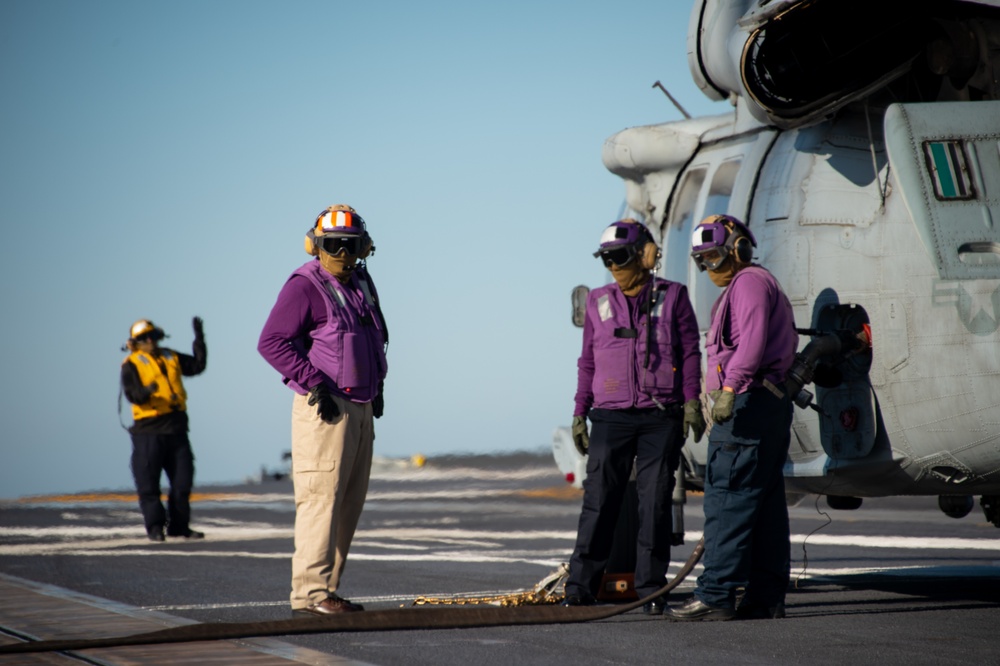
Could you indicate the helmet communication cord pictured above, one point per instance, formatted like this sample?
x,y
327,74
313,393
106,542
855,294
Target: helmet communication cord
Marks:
x,y
649,340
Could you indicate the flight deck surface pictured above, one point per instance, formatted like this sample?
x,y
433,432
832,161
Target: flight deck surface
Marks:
x,y
895,582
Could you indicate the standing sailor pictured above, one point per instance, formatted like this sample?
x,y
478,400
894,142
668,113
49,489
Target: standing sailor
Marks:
x,y
327,338
151,381
638,381
750,347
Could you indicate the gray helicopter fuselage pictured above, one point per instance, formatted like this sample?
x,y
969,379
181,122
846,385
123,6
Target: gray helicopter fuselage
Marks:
x,y
874,202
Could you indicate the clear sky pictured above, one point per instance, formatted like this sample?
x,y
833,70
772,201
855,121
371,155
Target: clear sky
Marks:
x,y
164,159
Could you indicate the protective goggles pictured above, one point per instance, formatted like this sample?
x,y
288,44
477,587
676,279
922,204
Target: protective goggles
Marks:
x,y
334,245
711,259
155,335
709,245
619,256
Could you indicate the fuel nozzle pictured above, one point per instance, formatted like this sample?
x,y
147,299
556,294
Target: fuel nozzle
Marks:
x,y
800,374
842,343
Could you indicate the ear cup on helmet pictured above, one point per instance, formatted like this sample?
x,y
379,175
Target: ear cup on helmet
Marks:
x,y
650,253
743,249
311,246
367,246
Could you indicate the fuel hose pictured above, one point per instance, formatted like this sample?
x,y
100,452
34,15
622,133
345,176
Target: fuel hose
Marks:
x,y
398,619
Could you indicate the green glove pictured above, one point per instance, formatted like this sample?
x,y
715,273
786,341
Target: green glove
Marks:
x,y
694,420
581,440
722,410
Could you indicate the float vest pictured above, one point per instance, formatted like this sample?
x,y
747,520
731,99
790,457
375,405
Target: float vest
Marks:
x,y
165,370
350,348
620,378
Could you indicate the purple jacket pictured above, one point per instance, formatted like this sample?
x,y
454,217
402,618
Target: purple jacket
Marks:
x,y
753,336
612,372
320,330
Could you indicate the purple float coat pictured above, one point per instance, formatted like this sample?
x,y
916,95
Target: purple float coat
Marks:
x,y
752,336
320,330
611,369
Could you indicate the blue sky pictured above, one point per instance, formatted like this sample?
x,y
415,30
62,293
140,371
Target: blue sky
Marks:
x,y
164,160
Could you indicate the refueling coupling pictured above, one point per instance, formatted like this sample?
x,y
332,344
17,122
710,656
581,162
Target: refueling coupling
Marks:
x,y
839,344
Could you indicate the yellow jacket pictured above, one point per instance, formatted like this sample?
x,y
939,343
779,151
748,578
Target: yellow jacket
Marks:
x,y
165,370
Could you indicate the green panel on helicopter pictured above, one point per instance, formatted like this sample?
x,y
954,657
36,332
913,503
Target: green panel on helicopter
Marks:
x,y
949,170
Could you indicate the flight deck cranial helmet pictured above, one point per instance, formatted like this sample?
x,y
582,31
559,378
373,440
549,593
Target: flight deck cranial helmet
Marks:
x,y
144,330
339,230
625,241
718,237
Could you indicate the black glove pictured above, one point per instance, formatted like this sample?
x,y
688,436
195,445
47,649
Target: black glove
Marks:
x,y
581,440
722,410
694,419
378,403
199,332
326,406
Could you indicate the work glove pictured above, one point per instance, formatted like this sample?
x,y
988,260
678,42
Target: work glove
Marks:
x,y
722,407
694,420
378,403
581,440
199,331
326,406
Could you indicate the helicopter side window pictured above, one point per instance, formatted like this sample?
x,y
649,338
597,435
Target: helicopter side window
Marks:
x,y
700,287
677,233
721,189
716,203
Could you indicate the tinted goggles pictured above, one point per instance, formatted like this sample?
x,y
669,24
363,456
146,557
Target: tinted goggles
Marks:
x,y
154,335
619,256
336,244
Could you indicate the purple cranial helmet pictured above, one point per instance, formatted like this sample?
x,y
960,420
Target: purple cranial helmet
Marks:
x,y
718,237
623,241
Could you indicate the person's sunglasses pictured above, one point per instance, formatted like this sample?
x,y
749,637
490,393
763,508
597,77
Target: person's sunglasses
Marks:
x,y
619,256
336,244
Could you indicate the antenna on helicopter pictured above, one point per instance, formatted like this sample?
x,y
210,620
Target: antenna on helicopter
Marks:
x,y
666,92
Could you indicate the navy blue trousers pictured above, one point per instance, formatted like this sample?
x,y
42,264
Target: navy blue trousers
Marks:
x,y
746,517
151,456
652,439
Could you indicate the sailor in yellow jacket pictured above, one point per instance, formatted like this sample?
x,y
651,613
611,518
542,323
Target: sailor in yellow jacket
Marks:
x,y
151,381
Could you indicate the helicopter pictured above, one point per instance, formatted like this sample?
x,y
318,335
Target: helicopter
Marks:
x,y
863,151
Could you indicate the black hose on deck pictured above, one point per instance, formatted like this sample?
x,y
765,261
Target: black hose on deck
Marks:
x,y
435,617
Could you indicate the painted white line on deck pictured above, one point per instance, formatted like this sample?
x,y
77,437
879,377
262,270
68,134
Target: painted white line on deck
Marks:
x,y
79,540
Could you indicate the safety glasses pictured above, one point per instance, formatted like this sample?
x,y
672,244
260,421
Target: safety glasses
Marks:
x,y
336,244
619,256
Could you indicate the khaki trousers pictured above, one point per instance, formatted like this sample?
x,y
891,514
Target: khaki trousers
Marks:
x,y
331,464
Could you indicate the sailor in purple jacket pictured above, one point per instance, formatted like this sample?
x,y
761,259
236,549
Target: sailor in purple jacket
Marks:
x,y
750,347
327,337
638,381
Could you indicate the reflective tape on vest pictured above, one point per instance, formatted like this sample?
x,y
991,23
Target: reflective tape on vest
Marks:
x,y
604,307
